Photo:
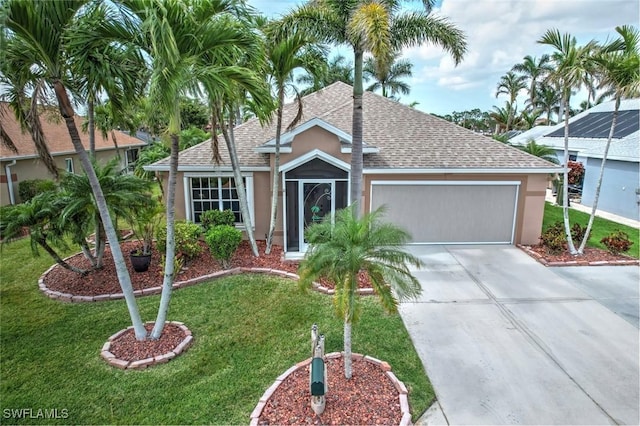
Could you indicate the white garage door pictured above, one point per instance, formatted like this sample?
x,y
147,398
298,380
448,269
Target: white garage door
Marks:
x,y
449,212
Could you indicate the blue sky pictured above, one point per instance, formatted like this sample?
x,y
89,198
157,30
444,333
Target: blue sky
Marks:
x,y
499,34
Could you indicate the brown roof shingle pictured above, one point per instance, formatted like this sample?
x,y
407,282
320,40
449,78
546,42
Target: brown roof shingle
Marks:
x,y
56,134
406,138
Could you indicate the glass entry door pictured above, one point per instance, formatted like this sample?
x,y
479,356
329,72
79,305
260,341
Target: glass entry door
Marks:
x,y
317,199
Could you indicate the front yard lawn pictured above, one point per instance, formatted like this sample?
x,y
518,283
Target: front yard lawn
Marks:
x,y
248,329
601,227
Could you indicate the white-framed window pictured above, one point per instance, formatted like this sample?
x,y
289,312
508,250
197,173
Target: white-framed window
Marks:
x,y
220,193
130,159
68,165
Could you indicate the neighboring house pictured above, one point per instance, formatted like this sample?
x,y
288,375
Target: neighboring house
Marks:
x,y
443,183
25,164
588,133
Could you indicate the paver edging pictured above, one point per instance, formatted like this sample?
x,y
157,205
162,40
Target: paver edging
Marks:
x,y
122,364
383,365
537,256
68,297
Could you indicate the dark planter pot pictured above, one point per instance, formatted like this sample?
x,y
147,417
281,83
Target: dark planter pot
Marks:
x,y
140,262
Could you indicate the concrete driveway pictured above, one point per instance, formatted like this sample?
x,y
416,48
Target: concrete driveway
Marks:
x,y
506,340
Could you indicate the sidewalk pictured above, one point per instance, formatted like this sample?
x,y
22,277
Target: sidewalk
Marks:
x,y
609,216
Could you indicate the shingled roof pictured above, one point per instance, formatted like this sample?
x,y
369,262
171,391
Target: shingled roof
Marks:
x,y
405,138
56,134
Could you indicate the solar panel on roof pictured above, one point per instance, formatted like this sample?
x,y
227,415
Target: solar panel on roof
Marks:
x,y
598,125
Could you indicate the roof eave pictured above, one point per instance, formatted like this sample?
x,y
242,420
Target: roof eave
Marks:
x,y
461,170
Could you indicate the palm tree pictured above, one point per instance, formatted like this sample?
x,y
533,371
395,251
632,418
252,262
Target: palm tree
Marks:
x,y
285,54
337,69
341,251
378,28
547,99
510,84
570,64
533,70
387,75
618,66
527,119
501,117
543,151
42,29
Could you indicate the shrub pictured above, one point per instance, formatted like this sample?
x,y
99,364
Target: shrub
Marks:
x,y
187,235
223,241
27,189
212,218
576,173
617,242
553,238
577,233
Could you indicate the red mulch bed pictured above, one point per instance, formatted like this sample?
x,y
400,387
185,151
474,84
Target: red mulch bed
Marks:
x,y
105,281
368,398
591,254
127,348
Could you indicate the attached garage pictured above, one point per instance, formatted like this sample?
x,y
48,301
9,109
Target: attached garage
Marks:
x,y
450,212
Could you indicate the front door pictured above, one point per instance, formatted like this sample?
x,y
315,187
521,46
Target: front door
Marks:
x,y
317,199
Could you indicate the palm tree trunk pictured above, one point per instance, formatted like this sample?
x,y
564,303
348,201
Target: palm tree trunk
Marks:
x,y
170,252
348,371
600,176
565,186
276,174
66,110
92,127
356,133
60,261
227,132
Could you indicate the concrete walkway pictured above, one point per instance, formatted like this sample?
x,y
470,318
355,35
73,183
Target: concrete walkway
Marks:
x,y
505,340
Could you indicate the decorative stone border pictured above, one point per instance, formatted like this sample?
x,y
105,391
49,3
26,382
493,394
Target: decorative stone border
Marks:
x,y
68,297
384,366
537,256
147,362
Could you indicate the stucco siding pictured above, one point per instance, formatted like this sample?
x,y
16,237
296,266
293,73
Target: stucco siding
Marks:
x,y
620,184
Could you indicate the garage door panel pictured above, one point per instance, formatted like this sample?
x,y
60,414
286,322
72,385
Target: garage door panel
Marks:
x,y
436,213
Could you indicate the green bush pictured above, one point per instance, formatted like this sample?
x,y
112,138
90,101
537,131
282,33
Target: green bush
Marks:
x,y
187,235
212,218
577,233
617,242
27,189
553,238
223,241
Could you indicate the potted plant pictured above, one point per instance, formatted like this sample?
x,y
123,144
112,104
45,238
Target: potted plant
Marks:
x,y
144,224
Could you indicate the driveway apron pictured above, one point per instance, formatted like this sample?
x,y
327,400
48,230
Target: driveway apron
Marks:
x,y
505,340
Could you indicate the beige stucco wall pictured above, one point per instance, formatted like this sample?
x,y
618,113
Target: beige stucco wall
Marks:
x,y
33,168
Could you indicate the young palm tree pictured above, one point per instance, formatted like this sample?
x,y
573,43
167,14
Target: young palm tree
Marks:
x,y
387,75
42,29
285,54
570,63
534,70
501,117
337,69
341,250
543,151
379,28
510,84
618,66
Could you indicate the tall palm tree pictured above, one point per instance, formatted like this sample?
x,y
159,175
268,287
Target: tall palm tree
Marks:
x,y
547,99
42,28
570,64
618,67
285,54
341,251
378,28
338,69
534,70
511,84
387,75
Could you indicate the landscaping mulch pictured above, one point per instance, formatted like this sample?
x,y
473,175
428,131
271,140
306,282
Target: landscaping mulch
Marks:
x,y
591,256
368,398
127,348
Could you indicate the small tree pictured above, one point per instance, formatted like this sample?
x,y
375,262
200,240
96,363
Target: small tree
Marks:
x,y
223,241
341,251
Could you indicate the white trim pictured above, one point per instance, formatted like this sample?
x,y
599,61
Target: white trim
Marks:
x,y
68,161
187,196
206,168
521,171
271,150
312,155
517,184
216,174
365,150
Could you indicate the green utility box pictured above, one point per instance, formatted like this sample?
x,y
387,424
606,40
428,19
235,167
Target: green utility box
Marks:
x,y
317,377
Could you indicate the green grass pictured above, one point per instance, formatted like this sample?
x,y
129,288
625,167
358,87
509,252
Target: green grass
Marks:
x,y
248,329
601,227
